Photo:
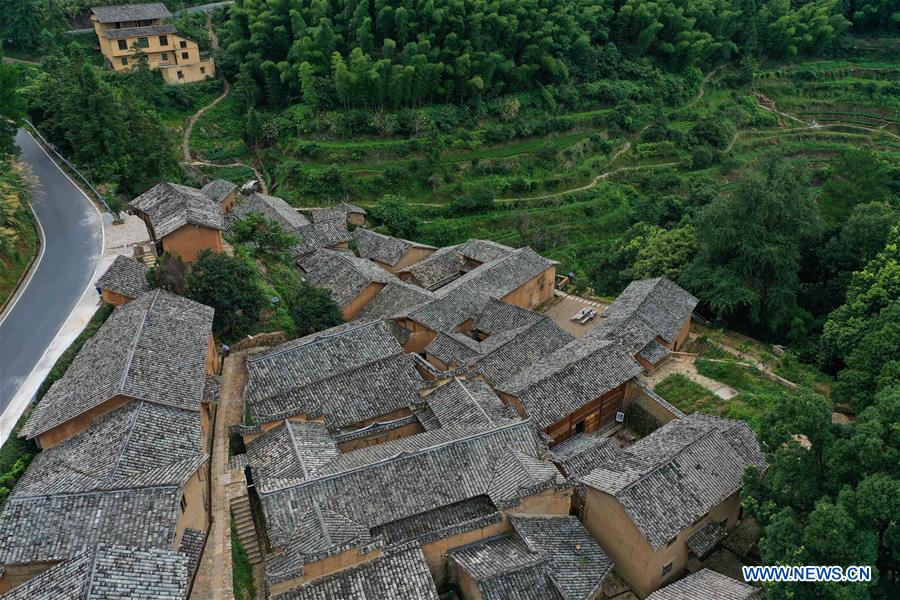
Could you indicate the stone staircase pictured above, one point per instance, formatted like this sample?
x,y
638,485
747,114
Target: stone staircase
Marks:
x,y
246,530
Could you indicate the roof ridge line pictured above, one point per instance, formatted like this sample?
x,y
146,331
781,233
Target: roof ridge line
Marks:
x,y
90,583
406,453
521,464
323,336
137,335
96,492
290,432
318,406
669,460
134,420
321,518
472,398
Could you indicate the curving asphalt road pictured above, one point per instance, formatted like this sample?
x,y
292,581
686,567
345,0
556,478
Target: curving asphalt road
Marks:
x,y
72,238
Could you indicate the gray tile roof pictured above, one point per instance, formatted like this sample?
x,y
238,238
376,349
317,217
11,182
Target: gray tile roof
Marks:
x,y
400,576
125,276
571,377
413,475
171,206
468,403
153,348
484,251
349,397
502,275
544,557
192,542
677,474
383,248
271,207
317,356
706,538
338,212
582,453
319,235
393,298
131,12
467,296
343,274
56,527
426,526
660,303
127,32
292,451
105,572
140,444
519,350
707,584
436,270
218,189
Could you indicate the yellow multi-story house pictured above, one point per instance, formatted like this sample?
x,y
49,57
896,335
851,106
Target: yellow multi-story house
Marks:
x,y
121,29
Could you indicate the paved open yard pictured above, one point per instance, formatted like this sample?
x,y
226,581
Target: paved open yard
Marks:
x,y
561,309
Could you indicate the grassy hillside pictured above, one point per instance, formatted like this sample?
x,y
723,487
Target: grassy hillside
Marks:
x,y
18,234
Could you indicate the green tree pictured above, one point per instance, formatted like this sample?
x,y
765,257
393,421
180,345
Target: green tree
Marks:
x,y
750,247
665,253
857,177
229,285
871,291
313,309
264,236
392,213
12,108
169,273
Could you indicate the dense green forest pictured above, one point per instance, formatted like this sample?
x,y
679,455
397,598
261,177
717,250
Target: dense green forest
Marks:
x,y
389,53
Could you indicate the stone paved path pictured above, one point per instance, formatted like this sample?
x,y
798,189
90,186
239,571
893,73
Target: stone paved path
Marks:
x,y
213,580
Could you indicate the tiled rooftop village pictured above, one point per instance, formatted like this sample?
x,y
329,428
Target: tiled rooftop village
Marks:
x,y
448,440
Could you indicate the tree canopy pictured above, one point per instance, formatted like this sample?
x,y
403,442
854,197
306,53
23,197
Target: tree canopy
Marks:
x,y
405,53
228,284
750,247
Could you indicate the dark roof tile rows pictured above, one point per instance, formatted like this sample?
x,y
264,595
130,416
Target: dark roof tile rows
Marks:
x,y
403,575
414,476
127,32
569,378
548,556
171,206
118,482
131,12
125,276
56,527
438,269
393,298
661,304
218,189
319,235
191,545
271,207
383,248
292,451
707,584
677,474
706,538
317,356
343,274
338,212
110,572
468,403
582,453
350,396
140,444
153,348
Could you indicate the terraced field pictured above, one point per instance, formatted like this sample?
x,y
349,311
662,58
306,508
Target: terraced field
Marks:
x,y
581,182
